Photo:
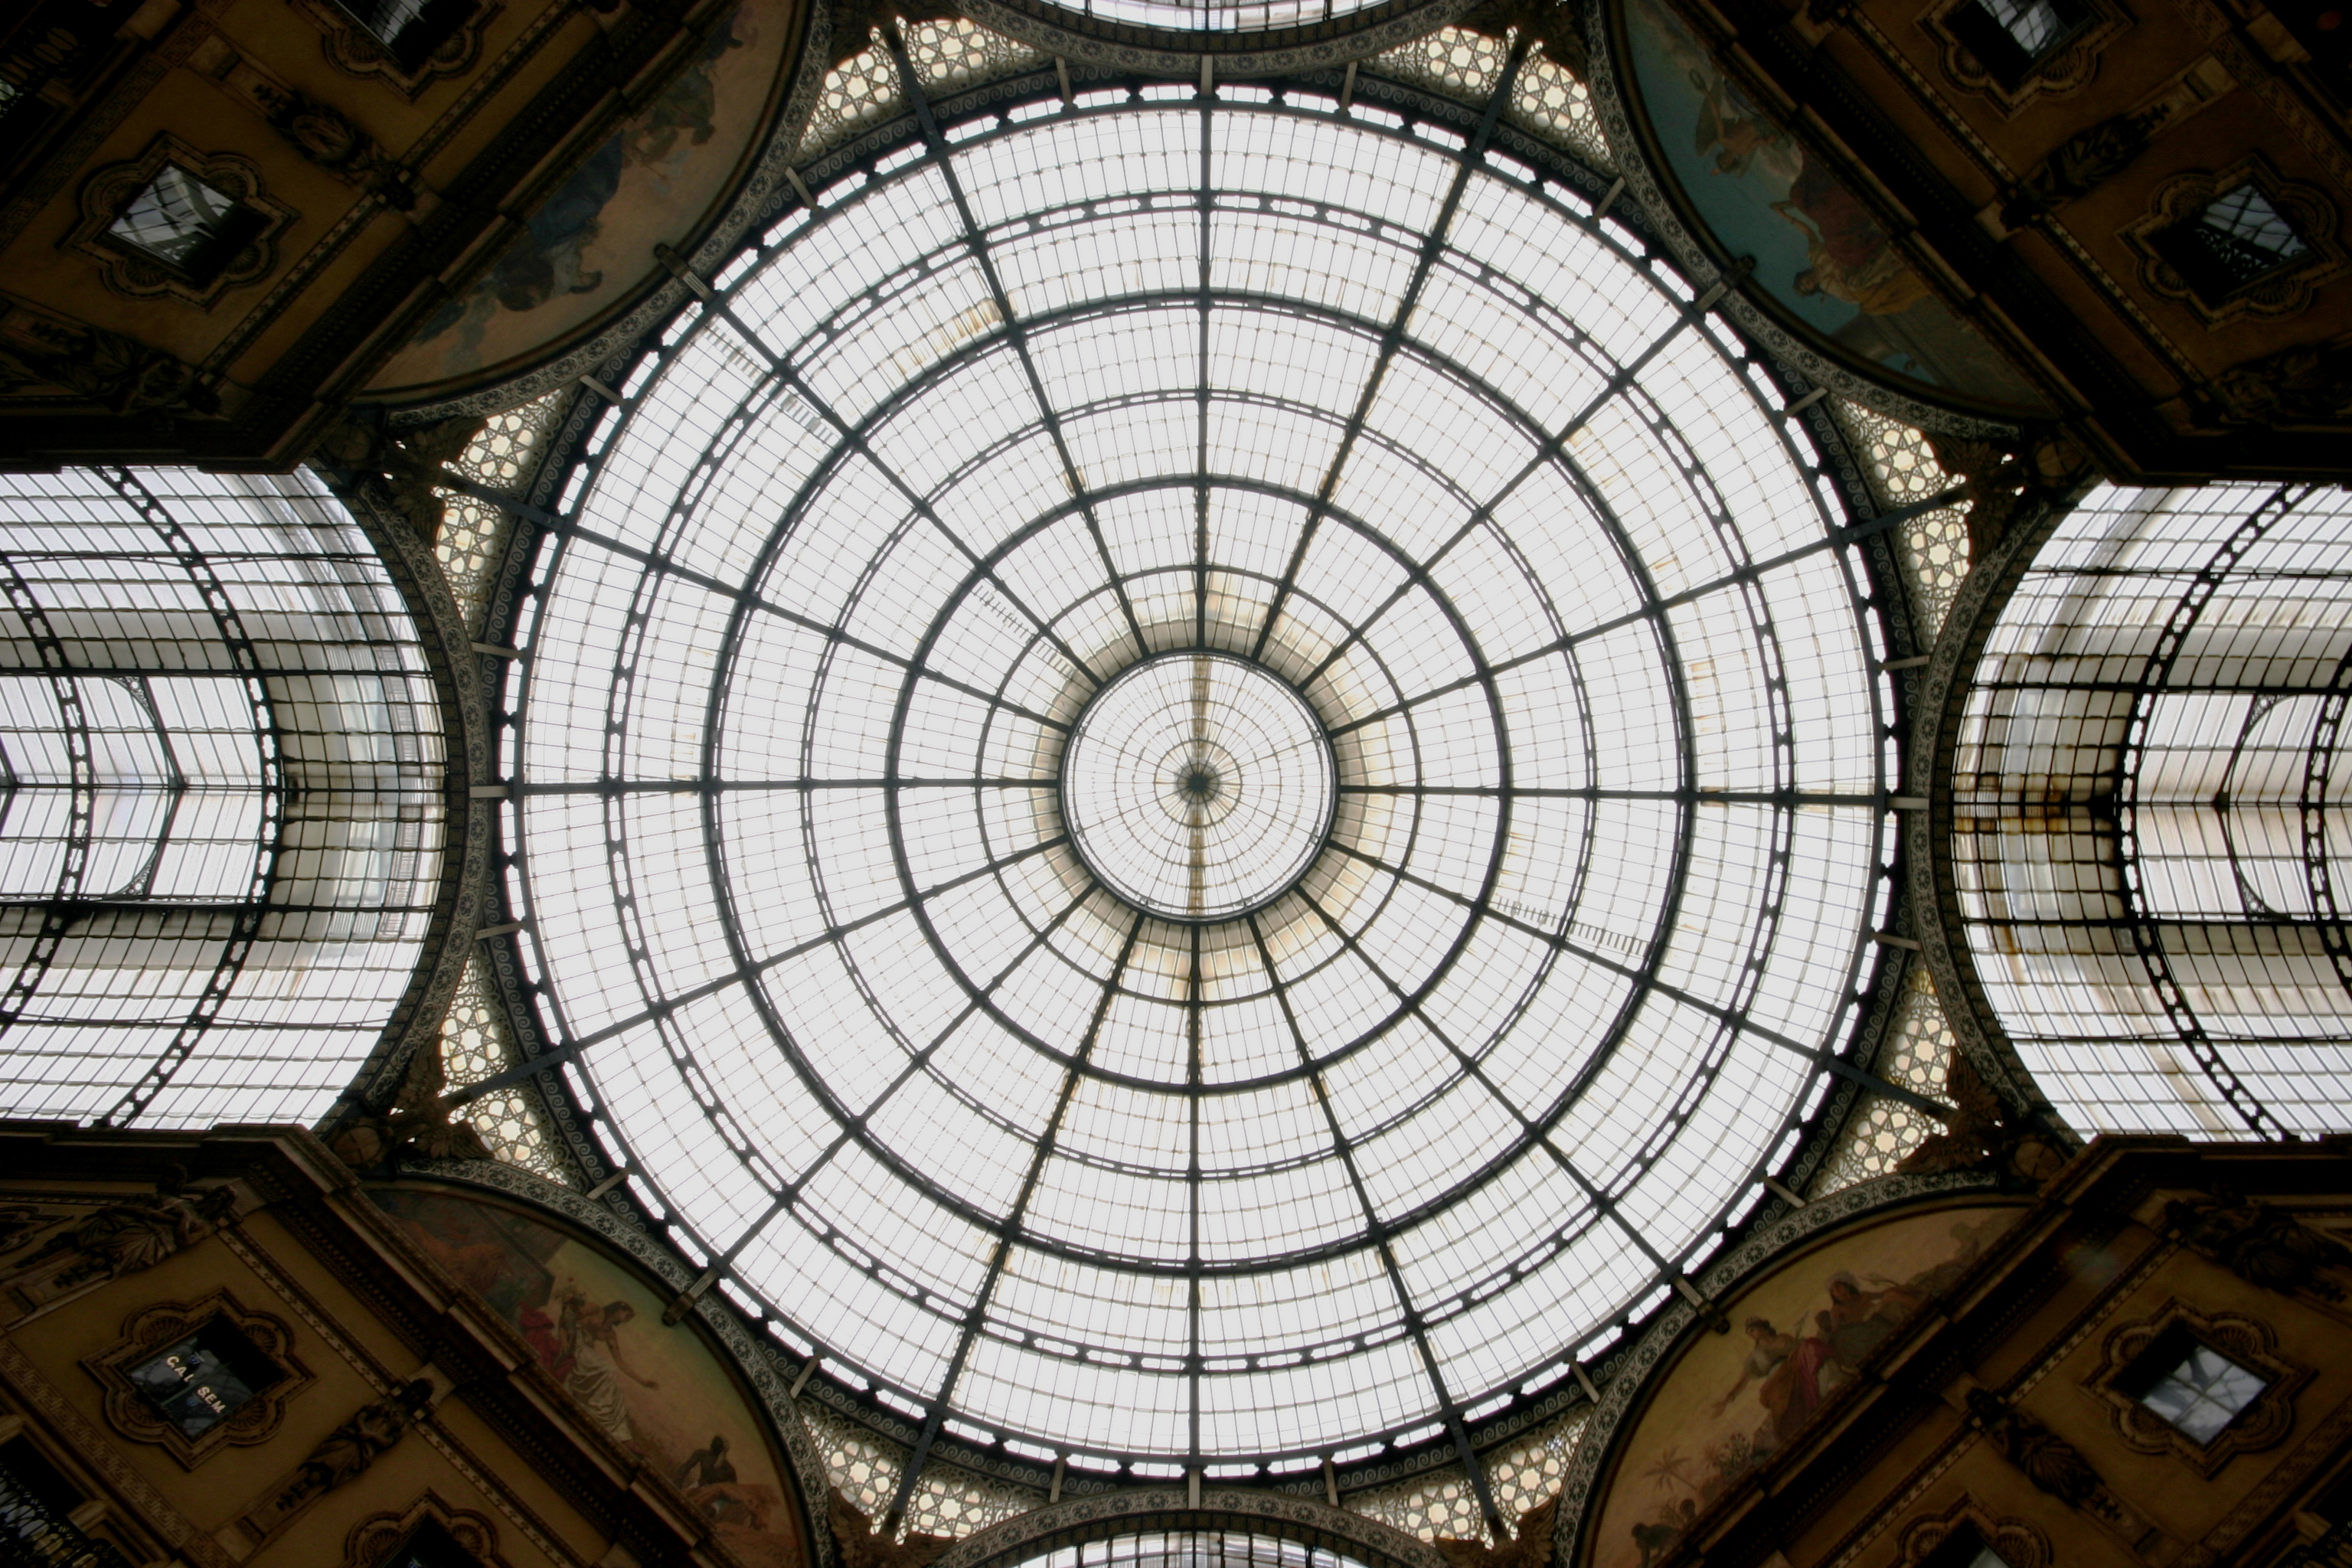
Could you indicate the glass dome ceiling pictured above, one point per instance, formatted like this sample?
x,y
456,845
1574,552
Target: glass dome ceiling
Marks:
x,y
978,529
1215,15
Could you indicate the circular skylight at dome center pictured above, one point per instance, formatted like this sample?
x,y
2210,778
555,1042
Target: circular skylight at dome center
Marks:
x,y
1201,780
1197,785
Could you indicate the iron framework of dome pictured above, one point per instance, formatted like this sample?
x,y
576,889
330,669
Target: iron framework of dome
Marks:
x,y
1359,410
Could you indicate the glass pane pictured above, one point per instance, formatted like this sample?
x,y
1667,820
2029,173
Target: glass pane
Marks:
x,y
2246,218
175,217
2037,26
2204,1394
201,1381
1257,767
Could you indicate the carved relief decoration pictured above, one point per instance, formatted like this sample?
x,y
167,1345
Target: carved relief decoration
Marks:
x,y
2017,1544
356,52
2249,1343
373,1540
145,1331
127,272
2280,293
2065,70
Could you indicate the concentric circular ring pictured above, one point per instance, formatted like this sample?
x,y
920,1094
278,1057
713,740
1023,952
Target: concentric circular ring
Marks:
x,y
978,1095
1197,786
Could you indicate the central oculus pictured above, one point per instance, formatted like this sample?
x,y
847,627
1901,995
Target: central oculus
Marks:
x,y
1198,786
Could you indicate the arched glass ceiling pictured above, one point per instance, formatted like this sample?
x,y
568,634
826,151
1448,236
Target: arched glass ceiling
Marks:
x,y
2148,804
220,797
1390,426
1214,16
1190,1549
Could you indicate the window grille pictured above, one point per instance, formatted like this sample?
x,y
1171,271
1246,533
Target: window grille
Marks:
x,y
2239,238
1880,1131
2198,1389
475,1044
2009,37
502,457
179,220
37,1529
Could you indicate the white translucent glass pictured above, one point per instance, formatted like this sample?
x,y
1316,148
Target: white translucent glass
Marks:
x,y
1306,1122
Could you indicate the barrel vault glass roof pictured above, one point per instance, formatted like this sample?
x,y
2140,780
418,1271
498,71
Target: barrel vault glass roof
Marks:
x,y
1053,392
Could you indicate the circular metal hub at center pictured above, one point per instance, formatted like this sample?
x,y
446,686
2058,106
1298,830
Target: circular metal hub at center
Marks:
x,y
1198,785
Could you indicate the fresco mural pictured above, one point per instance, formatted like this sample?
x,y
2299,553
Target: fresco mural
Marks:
x,y
1818,251
592,238
660,1392
1798,1335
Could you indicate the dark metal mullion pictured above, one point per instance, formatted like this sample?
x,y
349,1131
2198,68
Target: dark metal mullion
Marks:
x,y
175,786
746,599
750,969
2155,675
1376,1231
247,927
1552,447
81,797
724,1259
200,672
1201,456
730,786
976,240
1416,575
1393,338
852,438
1530,1132
1644,977
1782,797
978,1316
1754,572
788,1193
2314,809
1194,1092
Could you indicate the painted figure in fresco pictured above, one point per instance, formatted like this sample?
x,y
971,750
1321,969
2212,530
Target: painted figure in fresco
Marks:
x,y
1859,1320
659,1393
706,1466
1848,254
1657,1536
581,1348
1789,1368
1738,134
1782,1380
550,258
